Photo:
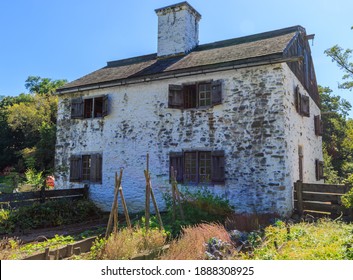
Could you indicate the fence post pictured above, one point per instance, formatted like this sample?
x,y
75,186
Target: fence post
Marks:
x,y
85,191
42,193
299,190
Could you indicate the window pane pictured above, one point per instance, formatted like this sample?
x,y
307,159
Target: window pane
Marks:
x,y
190,96
205,95
205,167
86,168
190,167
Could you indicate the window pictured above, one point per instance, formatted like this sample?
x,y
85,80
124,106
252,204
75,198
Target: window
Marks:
x,y
201,94
86,168
302,103
319,169
95,107
318,126
198,167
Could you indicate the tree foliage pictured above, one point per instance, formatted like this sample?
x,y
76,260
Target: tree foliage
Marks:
x,y
343,59
28,123
337,136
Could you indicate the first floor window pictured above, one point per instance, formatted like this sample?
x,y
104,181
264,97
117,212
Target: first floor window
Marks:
x,y
86,168
198,167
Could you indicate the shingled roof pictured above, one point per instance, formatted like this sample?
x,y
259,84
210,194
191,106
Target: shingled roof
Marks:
x,y
268,47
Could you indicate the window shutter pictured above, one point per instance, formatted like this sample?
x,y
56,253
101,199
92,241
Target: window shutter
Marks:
x,y
319,169
318,126
218,172
105,105
96,168
176,97
75,168
297,99
77,108
305,105
176,160
216,89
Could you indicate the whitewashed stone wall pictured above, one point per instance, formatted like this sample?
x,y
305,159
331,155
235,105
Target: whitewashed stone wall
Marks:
x,y
178,30
256,125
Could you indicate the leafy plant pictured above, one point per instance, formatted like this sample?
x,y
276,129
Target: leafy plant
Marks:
x,y
34,178
347,198
48,214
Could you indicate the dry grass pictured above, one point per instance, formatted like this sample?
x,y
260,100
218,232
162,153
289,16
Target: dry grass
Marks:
x,y
249,222
191,244
129,242
8,247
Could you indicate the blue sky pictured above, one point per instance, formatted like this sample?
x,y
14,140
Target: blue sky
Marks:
x,y
66,39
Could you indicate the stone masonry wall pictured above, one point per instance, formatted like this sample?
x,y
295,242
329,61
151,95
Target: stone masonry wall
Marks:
x,y
250,125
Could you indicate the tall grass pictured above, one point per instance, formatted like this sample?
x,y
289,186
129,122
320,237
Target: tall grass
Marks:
x,y
191,244
127,243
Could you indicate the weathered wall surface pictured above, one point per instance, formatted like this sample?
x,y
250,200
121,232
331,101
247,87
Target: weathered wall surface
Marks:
x,y
250,125
300,131
178,31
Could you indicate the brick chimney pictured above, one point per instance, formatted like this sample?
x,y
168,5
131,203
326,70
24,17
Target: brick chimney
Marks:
x,y
178,29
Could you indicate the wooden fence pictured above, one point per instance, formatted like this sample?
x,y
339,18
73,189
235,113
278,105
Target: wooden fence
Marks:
x,y
28,198
65,252
320,199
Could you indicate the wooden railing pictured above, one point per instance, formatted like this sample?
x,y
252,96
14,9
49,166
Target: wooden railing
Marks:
x,y
28,198
320,199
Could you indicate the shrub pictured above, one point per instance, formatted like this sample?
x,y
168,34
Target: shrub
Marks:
x,y
127,243
48,214
347,199
200,206
191,245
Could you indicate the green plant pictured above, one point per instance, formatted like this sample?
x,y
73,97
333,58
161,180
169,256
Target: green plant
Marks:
x,y
48,214
34,178
198,206
347,198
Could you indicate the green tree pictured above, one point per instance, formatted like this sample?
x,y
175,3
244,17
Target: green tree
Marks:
x,y
32,119
334,111
343,59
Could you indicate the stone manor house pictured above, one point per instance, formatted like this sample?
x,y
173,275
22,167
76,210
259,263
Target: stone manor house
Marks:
x,y
240,117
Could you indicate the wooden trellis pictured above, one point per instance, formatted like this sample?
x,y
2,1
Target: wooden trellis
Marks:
x,y
113,217
176,195
149,195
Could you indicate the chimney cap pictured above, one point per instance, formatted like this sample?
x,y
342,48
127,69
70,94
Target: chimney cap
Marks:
x,y
179,5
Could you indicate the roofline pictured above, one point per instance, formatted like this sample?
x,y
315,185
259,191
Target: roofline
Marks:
x,y
184,72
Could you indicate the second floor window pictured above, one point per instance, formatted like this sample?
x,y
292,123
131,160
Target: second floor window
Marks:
x,y
95,107
196,95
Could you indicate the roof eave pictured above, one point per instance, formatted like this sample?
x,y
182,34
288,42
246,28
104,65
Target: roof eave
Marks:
x,y
272,59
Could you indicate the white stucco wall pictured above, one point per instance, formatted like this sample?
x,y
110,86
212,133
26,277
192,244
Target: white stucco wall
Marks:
x,y
256,126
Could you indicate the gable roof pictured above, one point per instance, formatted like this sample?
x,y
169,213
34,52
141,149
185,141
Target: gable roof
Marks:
x,y
263,48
